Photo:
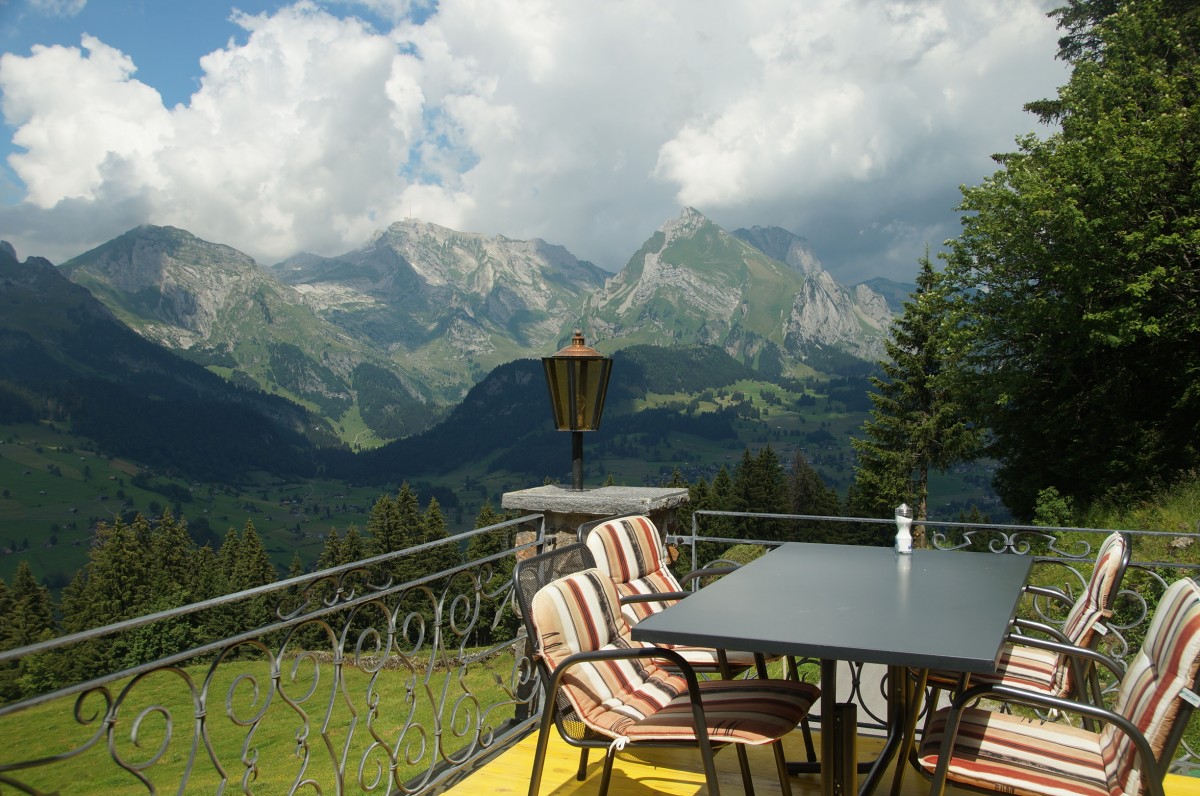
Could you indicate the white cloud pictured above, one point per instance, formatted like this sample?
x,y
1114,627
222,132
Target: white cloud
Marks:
x,y
587,123
58,8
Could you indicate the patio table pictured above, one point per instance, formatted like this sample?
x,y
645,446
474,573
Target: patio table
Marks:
x,y
924,610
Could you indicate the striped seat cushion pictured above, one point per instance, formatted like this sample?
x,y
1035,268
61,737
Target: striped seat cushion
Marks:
x,y
1028,756
999,751
1020,666
735,711
1094,605
1150,690
630,551
637,698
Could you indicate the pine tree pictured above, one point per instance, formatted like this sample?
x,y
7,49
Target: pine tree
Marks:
x,y
916,425
497,620
352,548
331,551
442,557
172,551
29,619
411,533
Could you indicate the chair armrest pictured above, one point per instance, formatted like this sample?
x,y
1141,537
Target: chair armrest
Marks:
x,y
1018,696
1075,652
706,572
1048,591
1036,627
657,653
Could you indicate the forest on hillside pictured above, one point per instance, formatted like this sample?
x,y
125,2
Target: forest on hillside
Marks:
x,y
153,564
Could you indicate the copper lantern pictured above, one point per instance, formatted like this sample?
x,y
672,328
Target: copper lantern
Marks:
x,y
577,377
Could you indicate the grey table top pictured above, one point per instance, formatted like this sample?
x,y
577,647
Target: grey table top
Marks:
x,y
934,609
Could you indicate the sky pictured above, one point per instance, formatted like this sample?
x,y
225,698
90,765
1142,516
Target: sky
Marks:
x,y
279,127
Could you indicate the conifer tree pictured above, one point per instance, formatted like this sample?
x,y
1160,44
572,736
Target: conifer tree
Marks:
x,y
172,552
496,618
352,548
411,533
31,609
810,495
444,556
916,424
331,551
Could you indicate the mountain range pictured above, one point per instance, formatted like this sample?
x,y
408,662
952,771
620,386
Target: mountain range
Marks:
x,y
381,342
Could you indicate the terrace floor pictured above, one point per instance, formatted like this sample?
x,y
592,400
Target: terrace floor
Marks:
x,y
675,772
678,773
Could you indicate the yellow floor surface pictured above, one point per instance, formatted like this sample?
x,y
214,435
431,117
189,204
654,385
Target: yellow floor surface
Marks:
x,y
677,772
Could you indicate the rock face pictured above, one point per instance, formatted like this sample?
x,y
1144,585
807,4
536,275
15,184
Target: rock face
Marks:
x,y
434,294
824,314
757,293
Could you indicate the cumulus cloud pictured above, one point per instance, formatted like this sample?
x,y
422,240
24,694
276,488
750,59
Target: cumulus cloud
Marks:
x,y
588,124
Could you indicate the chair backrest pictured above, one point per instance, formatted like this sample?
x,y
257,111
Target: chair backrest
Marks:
x,y
579,612
1151,692
1095,604
630,550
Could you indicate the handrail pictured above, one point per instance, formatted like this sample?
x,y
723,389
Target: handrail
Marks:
x,y
383,686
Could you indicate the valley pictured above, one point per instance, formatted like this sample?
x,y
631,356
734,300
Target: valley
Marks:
x,y
54,486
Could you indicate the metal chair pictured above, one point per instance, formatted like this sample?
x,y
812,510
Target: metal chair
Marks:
x,y
630,549
602,690
995,751
1036,662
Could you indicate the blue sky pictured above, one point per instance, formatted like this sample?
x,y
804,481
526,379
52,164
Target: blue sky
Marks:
x,y
280,127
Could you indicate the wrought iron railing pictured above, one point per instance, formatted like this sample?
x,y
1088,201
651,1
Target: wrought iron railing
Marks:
x,y
352,681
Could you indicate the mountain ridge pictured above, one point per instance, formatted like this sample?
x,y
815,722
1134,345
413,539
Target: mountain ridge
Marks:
x,y
384,340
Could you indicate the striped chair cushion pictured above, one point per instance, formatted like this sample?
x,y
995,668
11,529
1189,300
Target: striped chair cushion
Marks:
x,y
1093,606
1020,666
999,751
1046,672
579,613
1027,756
631,552
1149,693
637,698
735,711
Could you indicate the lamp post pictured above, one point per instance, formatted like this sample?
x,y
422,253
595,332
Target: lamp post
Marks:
x,y
577,377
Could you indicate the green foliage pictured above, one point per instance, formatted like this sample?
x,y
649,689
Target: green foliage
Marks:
x,y
1074,292
1053,510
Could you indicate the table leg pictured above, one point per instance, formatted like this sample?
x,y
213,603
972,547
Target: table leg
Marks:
x,y
912,706
900,699
829,751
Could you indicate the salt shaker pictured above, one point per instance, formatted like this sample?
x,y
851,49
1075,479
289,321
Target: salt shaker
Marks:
x,y
904,521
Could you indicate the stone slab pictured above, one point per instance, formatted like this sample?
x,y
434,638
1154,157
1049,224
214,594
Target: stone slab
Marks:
x,y
599,502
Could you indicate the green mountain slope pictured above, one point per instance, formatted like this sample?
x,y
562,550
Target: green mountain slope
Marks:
x,y
64,356
215,306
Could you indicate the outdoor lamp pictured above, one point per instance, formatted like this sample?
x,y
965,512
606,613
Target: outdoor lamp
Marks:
x,y
578,379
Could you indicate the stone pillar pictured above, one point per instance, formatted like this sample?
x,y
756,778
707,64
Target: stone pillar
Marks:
x,y
566,509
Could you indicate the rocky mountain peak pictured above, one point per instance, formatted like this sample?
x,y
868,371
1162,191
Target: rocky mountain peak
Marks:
x,y
688,223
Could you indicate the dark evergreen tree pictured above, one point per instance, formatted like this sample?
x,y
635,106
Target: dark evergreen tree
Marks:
x,y
917,423
28,620
497,619
442,557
